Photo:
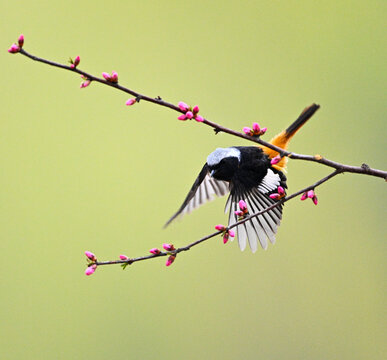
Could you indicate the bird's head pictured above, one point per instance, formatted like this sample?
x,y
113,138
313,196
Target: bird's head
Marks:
x,y
223,163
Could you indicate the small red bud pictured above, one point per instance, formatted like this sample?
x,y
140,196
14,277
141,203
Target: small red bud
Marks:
x,y
21,40
14,49
154,251
183,106
170,260
90,270
168,247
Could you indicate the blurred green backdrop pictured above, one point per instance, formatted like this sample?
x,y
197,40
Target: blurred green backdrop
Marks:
x,y
81,171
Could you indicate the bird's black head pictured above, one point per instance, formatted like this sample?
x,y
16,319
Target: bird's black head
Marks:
x,y
223,163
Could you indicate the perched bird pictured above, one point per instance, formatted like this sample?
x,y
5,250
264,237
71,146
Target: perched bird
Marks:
x,y
247,173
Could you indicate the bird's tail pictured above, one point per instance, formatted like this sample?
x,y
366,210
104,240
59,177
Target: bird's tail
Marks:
x,y
282,139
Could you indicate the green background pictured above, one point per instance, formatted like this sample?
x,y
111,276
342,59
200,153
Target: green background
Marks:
x,y
81,171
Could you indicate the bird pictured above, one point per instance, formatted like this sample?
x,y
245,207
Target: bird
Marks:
x,y
247,173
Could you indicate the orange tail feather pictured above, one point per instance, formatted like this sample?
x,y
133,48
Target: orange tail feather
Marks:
x,y
282,139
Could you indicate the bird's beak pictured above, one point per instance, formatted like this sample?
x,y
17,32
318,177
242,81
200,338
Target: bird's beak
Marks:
x,y
212,173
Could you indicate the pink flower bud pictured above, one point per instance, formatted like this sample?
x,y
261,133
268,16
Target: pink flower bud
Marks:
x,y
275,160
183,106
168,247
90,270
195,109
310,194
189,115
220,227
85,84
170,260
14,49
90,255
304,196
114,77
256,128
274,196
123,257
281,190
154,251
182,117
131,101
231,233
239,213
106,76
21,40
242,206
314,199
247,130
225,238
199,118
263,130
75,63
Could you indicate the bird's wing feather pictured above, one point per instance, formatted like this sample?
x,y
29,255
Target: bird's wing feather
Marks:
x,y
203,190
261,227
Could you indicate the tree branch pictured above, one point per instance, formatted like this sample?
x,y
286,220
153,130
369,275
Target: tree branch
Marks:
x,y
307,113
363,169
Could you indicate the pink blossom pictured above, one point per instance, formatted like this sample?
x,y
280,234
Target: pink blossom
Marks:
x,y
281,190
85,83
14,49
106,76
311,195
131,101
123,257
90,270
20,40
183,106
182,117
256,128
275,160
90,255
220,227
247,130
195,109
231,233
199,118
114,77
189,115
242,206
168,247
170,260
274,196
154,251
225,238
239,213
76,62
255,131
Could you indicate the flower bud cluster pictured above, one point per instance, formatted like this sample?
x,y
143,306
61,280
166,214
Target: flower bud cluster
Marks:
x,y
189,112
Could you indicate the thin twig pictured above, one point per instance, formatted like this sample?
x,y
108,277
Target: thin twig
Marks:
x,y
308,112
364,169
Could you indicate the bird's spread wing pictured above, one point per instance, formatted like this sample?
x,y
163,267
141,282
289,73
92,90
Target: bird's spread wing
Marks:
x,y
203,190
261,227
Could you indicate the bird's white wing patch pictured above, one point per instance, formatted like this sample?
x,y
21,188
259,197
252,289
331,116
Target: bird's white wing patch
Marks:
x,y
260,228
270,182
206,192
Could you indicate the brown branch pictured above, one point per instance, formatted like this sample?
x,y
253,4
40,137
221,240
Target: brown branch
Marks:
x,y
207,237
308,112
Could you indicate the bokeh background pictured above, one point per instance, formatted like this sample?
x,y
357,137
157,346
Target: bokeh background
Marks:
x,y
81,171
